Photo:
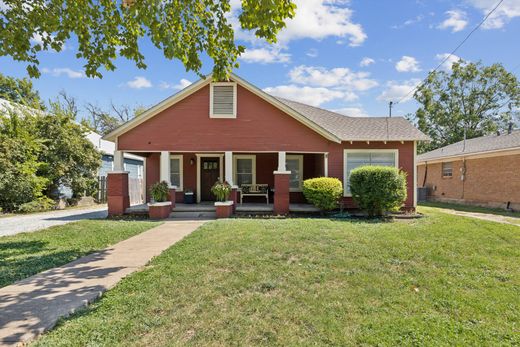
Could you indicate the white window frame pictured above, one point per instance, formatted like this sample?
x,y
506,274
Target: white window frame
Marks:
x,y
180,188
443,170
345,156
300,167
235,165
213,84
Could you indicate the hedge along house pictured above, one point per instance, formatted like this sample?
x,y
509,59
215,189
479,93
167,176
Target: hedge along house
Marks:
x,y
483,171
234,131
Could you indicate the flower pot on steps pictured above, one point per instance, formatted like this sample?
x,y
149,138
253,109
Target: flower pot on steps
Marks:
x,y
159,210
224,209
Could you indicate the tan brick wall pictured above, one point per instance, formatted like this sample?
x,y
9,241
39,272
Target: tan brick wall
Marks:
x,y
492,181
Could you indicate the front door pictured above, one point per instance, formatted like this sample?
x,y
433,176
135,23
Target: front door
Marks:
x,y
209,174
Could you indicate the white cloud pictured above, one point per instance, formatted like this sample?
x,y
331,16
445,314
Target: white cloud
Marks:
x,y
265,55
407,64
456,21
508,10
183,83
352,111
314,96
446,66
314,19
313,53
396,90
139,82
336,77
57,72
409,22
366,61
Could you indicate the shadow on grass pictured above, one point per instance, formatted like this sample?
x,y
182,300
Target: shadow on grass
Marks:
x,y
21,259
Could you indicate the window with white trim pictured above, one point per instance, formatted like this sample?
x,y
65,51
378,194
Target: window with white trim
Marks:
x,y
447,169
244,169
357,158
223,100
176,171
294,163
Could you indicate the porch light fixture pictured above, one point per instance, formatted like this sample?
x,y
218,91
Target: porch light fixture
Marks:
x,y
192,161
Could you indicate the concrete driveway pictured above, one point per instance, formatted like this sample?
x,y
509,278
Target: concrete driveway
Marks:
x,y
32,222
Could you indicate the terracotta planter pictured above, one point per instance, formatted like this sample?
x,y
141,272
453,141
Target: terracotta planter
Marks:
x,y
224,209
159,210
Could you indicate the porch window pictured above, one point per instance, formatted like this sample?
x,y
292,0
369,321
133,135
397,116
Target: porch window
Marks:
x,y
223,100
294,163
244,169
357,158
176,171
447,169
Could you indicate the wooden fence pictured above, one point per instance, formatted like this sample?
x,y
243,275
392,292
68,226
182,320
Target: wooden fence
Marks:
x,y
135,190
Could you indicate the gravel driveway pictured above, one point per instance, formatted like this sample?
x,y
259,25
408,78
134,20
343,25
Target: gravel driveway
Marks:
x,y
32,222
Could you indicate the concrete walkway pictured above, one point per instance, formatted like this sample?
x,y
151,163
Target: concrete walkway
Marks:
x,y
33,305
485,216
36,221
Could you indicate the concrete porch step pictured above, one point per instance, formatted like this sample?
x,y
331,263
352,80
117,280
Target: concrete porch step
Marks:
x,y
193,215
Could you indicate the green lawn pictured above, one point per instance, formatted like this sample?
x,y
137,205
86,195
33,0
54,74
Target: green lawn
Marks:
x,y
440,280
26,254
468,208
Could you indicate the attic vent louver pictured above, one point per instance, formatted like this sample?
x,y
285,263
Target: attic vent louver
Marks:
x,y
223,100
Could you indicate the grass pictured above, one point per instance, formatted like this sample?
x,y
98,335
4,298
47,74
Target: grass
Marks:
x,y
26,254
469,208
440,280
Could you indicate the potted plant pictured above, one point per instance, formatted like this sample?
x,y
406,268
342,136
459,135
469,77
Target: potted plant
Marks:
x,y
222,190
159,207
189,196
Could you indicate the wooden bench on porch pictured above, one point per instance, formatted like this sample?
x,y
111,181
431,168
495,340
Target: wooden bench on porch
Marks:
x,y
254,190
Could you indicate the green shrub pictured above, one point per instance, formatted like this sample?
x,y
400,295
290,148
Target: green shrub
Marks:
x,y
221,190
159,191
39,205
323,192
377,189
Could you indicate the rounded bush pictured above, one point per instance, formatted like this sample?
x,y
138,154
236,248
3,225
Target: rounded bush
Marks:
x,y
323,192
377,189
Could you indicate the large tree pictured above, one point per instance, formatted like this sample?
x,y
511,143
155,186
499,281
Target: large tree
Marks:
x,y
20,91
104,29
471,100
104,121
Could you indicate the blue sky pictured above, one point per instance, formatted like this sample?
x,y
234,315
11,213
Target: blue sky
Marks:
x,y
349,56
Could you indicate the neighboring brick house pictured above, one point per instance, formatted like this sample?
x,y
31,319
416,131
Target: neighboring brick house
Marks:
x,y
235,131
482,171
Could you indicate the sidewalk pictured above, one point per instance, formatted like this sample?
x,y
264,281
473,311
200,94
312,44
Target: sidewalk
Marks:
x,y
33,305
484,216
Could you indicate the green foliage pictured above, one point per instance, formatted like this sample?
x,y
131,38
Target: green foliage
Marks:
x,y
19,91
377,189
39,151
471,97
39,205
323,192
104,121
160,191
19,151
221,190
183,30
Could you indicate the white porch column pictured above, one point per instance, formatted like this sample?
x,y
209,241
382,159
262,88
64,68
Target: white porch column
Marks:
x,y
326,164
228,164
281,161
165,167
119,161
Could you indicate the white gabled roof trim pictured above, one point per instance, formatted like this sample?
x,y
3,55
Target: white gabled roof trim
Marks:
x,y
172,100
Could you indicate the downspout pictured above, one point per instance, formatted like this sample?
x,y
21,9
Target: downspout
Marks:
x,y
425,174
463,176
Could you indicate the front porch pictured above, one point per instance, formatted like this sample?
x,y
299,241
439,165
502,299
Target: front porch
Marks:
x,y
190,176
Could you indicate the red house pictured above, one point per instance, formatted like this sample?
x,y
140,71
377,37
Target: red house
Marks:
x,y
235,131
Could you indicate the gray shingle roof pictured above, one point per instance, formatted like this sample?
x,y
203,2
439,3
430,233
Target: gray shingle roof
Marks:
x,y
358,128
477,145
